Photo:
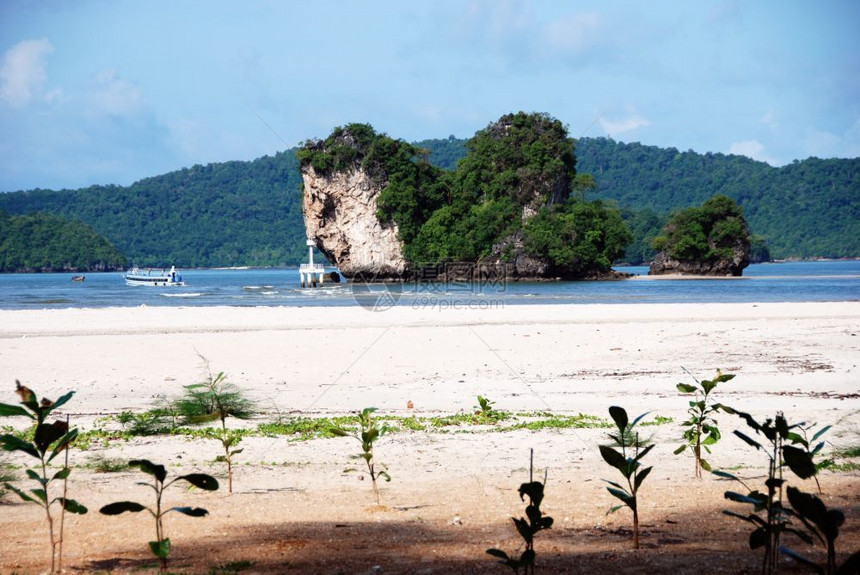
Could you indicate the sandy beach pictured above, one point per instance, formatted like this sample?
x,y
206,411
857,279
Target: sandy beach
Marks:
x,y
293,510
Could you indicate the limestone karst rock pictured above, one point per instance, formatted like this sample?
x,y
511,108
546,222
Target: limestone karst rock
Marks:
x,y
663,264
340,214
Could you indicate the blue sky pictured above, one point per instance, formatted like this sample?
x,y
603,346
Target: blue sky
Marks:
x,y
100,92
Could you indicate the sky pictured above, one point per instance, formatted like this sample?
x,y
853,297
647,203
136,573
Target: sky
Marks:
x,y
113,91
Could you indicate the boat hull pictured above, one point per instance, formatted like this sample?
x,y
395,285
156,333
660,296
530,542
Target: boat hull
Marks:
x,y
154,282
136,277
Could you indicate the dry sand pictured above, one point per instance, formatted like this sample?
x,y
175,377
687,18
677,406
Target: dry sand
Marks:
x,y
452,494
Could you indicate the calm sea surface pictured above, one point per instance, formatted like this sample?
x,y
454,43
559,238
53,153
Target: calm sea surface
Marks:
x,y
777,282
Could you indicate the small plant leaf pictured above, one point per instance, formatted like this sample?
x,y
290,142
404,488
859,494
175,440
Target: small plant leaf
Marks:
x,y
200,480
799,461
821,432
36,477
725,475
638,418
812,508
800,534
644,452
686,388
121,507
72,506
524,529
750,421
27,396
498,553
534,490
754,519
619,416
622,495
546,522
19,493
190,511
527,558
7,410
758,538
64,442
680,449
705,465
160,549
748,439
62,400
158,471
62,473
12,443
613,458
640,477
337,432
739,498
534,514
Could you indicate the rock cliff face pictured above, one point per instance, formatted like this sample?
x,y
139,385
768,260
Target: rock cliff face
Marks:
x,y
734,266
340,215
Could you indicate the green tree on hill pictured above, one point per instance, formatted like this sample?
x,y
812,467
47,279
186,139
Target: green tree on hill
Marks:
x,y
42,242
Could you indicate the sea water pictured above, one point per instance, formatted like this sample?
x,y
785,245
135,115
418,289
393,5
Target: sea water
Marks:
x,y
772,282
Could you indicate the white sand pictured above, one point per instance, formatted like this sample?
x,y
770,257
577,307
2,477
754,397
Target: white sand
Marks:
x,y
798,358
565,358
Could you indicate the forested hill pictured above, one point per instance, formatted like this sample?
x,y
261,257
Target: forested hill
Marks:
x,y
807,209
227,214
47,243
249,213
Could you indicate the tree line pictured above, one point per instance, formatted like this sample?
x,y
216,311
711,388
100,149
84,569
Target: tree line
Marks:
x,y
47,243
249,213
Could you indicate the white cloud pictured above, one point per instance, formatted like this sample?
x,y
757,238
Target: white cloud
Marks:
x,y
113,96
574,33
497,20
752,149
22,73
769,120
617,127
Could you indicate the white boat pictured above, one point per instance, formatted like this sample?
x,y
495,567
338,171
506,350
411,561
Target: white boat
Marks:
x,y
150,277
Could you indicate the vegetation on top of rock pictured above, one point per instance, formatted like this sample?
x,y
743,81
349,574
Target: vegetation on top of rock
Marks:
x,y
43,242
579,238
711,232
805,209
509,195
513,168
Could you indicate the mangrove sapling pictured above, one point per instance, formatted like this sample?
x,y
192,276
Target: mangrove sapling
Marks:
x,y
49,440
823,525
161,546
216,398
776,517
367,434
701,428
630,467
527,528
802,438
